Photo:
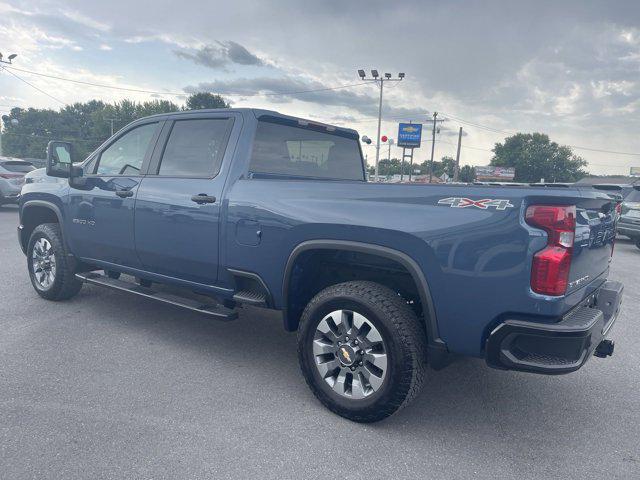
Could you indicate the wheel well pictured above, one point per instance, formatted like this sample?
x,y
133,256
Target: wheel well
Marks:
x,y
32,216
314,270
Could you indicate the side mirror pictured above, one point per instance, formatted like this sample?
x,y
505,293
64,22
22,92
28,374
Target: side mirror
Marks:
x,y
59,159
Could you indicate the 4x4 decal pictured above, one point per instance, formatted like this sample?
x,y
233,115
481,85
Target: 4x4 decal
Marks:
x,y
484,204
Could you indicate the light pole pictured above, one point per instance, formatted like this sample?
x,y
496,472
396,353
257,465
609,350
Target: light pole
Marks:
x,y
8,62
378,80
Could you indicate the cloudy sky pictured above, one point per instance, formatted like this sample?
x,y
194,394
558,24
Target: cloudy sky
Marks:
x,y
568,69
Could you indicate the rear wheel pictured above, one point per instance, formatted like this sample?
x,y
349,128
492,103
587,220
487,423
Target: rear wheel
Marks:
x,y
361,350
50,268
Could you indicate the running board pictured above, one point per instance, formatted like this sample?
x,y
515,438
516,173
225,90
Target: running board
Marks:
x,y
212,309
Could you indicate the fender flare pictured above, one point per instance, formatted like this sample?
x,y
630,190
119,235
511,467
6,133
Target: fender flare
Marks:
x,y
37,203
402,258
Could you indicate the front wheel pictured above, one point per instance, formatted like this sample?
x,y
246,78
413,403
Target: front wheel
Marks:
x,y
50,269
362,350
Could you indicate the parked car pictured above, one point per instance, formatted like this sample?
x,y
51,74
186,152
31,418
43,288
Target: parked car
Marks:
x,y
251,207
629,223
12,172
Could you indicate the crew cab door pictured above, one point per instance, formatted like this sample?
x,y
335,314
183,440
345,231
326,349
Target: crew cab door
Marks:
x,y
101,202
178,207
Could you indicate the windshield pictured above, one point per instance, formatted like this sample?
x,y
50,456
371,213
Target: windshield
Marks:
x,y
302,151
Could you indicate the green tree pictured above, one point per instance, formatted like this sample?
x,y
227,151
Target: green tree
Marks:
x,y
534,157
86,125
448,166
202,100
467,174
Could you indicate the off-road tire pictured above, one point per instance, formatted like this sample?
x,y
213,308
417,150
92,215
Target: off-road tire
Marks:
x,y
402,333
65,284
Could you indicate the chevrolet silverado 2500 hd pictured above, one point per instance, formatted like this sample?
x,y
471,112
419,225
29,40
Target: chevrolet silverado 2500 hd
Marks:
x,y
210,210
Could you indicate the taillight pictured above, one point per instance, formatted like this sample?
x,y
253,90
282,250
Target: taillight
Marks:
x,y
550,268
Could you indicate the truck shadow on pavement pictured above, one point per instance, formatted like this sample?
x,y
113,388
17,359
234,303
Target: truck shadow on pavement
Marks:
x,y
465,397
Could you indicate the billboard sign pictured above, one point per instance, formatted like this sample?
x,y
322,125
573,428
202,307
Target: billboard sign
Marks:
x,y
409,135
634,171
498,174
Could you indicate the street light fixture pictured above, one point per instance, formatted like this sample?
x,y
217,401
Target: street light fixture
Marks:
x,y
380,82
10,58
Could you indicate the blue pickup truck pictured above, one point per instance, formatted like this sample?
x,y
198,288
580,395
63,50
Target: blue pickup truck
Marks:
x,y
215,209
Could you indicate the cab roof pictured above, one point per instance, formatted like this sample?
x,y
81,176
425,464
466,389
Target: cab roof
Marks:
x,y
257,113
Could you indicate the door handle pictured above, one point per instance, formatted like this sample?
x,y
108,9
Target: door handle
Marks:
x,y
124,193
203,198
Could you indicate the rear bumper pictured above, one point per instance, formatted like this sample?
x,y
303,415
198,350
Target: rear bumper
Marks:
x,y
555,348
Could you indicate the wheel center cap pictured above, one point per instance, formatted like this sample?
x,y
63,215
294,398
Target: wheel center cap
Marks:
x,y
346,355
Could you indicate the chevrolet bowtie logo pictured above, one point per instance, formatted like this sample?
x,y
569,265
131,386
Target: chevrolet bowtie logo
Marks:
x,y
345,355
410,129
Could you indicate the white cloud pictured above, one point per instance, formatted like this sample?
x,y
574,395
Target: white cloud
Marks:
x,y
551,67
87,21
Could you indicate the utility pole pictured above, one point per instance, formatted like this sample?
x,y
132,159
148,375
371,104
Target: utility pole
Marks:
x,y
378,80
456,170
111,120
433,145
8,61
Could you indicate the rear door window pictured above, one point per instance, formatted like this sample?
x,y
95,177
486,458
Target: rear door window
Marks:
x,y
280,149
195,148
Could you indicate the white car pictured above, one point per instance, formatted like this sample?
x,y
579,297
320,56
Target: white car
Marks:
x,y
12,172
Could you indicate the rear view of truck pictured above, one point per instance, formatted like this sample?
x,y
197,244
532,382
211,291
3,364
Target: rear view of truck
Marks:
x,y
572,246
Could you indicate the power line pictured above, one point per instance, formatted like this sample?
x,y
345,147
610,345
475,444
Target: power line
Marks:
x,y
32,85
138,90
49,137
509,132
81,82
362,120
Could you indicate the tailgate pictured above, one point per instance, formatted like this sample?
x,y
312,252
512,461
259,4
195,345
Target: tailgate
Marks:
x,y
594,239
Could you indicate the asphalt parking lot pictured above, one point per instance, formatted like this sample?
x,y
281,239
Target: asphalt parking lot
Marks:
x,y
110,386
